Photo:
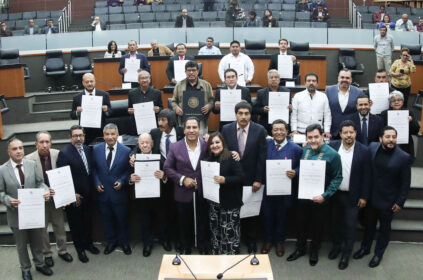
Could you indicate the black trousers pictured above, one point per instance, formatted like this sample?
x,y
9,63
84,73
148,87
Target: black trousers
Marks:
x,y
168,205
152,214
80,224
274,215
249,229
91,134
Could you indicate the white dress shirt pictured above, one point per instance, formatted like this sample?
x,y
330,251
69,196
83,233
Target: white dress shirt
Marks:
x,y
113,152
281,145
209,51
98,27
307,110
89,93
346,159
242,64
16,171
194,156
343,99
172,139
367,122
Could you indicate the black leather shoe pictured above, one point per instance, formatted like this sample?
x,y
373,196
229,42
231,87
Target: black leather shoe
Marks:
x,y
314,257
26,275
252,248
167,246
127,249
82,256
109,249
92,249
343,263
375,261
297,253
49,261
66,257
45,270
334,253
146,251
360,254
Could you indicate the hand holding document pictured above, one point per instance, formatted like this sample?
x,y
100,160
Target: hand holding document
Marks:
x,y
211,189
132,66
228,100
278,106
179,69
31,212
312,178
285,68
252,202
145,118
398,119
145,166
277,181
379,93
62,183
91,111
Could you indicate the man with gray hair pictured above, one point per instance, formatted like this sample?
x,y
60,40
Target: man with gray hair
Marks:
x,y
404,24
159,50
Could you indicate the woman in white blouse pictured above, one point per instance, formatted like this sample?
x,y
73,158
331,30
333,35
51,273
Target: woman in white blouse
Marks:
x,y
112,50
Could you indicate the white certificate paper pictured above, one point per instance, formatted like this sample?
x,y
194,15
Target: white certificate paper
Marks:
x,y
179,69
31,212
211,190
252,202
398,119
299,138
277,183
278,106
312,178
379,93
91,111
145,118
228,100
285,68
62,183
132,66
149,185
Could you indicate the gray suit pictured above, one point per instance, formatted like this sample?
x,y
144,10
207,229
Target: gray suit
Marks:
x,y
9,186
53,215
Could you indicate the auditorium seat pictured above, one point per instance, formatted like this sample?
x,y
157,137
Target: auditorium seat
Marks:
x,y
128,3
221,15
158,8
346,59
144,9
254,47
319,24
173,8
217,24
368,25
11,24
366,17
115,10
300,49
118,26
274,7
132,18
289,1
20,24
286,23
195,15
150,25
202,24
372,9
362,9
4,17
302,24
137,25
29,15
55,14
288,7
417,12
415,51
99,4
15,16
18,32
101,11
80,62
202,44
43,14
116,18
130,9
403,10
391,10
146,17
40,22
166,24
302,16
209,16
198,7
287,16
54,64
162,16
11,56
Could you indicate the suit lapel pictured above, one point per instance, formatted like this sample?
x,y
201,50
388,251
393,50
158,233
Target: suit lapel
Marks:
x,y
235,135
12,173
27,171
249,137
117,157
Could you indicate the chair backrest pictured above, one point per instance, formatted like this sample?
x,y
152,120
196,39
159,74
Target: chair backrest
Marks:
x,y
347,57
54,61
255,47
9,56
415,51
80,60
171,46
300,48
202,44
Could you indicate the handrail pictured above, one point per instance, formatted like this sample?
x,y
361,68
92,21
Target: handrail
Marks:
x,y
65,18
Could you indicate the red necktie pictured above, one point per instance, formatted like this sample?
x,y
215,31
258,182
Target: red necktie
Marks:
x,y
277,147
181,58
21,174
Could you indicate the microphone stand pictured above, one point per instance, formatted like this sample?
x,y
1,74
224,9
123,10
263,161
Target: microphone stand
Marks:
x,y
254,260
192,273
220,275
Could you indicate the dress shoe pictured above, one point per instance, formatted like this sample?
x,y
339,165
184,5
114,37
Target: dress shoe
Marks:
x,y
375,261
127,249
203,250
45,270
343,263
314,257
280,249
92,249
146,251
26,275
109,249
297,253
334,252
266,248
187,251
82,256
49,261
66,257
167,246
360,254
252,248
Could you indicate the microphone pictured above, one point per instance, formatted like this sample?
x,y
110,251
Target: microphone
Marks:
x,y
220,275
192,273
176,260
254,260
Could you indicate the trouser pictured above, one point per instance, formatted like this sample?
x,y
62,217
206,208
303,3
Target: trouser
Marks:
x,y
225,229
151,212
249,230
384,62
34,238
274,212
55,216
405,92
115,222
80,224
344,222
169,206
371,216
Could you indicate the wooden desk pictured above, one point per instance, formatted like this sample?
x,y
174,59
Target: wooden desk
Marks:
x,y
416,78
207,267
12,82
106,72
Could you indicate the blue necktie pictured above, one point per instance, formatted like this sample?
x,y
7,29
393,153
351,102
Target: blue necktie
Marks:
x,y
167,143
364,139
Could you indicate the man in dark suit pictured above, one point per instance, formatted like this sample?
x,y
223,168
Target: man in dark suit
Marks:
x,y
50,28
352,194
182,165
79,158
184,20
368,125
283,50
181,51
111,176
249,140
88,81
381,77
132,48
31,28
231,82
342,99
391,168
261,106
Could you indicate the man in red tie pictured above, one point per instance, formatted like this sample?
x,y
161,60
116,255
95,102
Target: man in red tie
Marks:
x,y
181,51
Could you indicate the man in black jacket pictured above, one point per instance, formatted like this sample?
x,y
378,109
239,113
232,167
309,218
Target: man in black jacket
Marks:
x,y
181,51
184,20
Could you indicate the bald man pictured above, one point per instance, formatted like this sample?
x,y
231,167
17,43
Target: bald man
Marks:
x,y
88,81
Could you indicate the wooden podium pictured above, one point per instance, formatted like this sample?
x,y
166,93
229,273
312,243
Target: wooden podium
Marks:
x,y
207,267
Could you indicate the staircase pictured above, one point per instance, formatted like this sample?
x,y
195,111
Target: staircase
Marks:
x,y
340,23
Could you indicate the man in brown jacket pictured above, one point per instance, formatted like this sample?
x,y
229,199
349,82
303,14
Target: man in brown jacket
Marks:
x,y
159,50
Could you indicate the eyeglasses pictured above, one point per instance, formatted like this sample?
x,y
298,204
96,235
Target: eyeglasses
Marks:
x,y
191,70
78,135
396,100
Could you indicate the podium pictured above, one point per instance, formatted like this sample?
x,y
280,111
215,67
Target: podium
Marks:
x,y
207,267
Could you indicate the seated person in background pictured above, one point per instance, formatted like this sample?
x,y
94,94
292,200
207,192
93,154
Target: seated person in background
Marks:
x,y
419,26
378,16
208,5
316,4
320,14
209,48
141,2
404,24
302,6
233,13
97,25
112,50
4,31
386,22
50,28
253,20
114,3
184,20
31,28
159,50
269,20
181,51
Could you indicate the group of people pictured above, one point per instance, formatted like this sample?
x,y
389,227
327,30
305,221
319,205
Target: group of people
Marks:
x,y
383,18
30,29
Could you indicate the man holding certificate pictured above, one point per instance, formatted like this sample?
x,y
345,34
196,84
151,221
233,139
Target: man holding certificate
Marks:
x,y
21,174
277,59
131,64
320,177
180,58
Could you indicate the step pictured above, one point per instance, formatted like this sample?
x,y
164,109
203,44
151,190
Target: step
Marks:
x,y
49,106
52,96
51,116
6,235
415,193
413,210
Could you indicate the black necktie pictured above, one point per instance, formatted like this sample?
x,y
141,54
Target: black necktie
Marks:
x,y
109,156
364,139
21,175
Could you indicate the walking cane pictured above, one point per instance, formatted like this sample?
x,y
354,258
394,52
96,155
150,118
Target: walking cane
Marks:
x,y
195,213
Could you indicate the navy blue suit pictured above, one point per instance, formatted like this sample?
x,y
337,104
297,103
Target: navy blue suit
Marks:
x,y
113,203
143,65
374,127
337,115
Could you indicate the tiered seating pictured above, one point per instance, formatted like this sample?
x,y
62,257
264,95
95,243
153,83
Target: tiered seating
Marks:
x,y
17,21
367,12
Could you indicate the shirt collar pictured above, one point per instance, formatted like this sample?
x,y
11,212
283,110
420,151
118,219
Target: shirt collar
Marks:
x,y
186,144
114,146
284,142
366,116
349,150
88,93
348,90
14,164
247,128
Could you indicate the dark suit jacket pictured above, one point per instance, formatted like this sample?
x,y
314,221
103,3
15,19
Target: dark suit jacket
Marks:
x,y
178,22
389,188
315,14
54,29
134,97
254,159
77,99
274,63
36,30
374,126
337,115
170,71
102,25
360,173
143,63
177,164
156,134
83,182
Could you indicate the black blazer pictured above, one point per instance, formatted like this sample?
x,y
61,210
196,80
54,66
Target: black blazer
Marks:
x,y
254,159
143,63
274,63
360,173
170,71
391,187
178,22
156,135
77,99
266,22
135,96
374,126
